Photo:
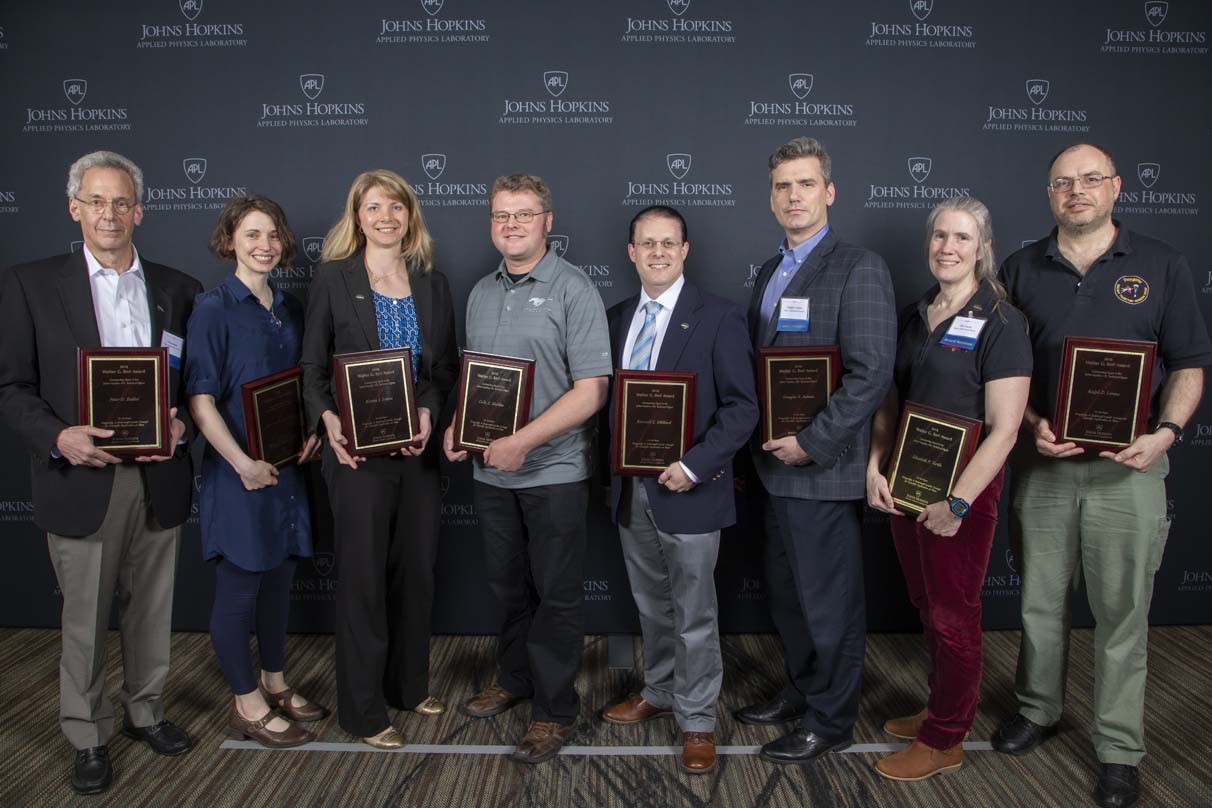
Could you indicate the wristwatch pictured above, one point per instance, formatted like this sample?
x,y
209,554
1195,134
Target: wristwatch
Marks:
x,y
959,506
1173,427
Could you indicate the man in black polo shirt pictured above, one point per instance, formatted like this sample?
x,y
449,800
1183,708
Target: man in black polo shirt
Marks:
x,y
1092,277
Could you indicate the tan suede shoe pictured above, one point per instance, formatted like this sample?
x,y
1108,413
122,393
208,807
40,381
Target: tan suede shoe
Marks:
x,y
906,726
918,761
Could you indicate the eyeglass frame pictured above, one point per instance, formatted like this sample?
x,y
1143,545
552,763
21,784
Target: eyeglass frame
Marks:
x,y
648,245
1087,181
97,205
516,215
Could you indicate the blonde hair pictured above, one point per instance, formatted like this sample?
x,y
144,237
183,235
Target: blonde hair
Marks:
x,y
346,238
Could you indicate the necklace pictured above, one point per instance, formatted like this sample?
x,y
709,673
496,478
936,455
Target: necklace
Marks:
x,y
375,278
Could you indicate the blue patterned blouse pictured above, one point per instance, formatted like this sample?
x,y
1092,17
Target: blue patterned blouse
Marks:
x,y
397,319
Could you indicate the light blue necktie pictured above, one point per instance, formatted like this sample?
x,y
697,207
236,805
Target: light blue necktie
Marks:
x,y
641,352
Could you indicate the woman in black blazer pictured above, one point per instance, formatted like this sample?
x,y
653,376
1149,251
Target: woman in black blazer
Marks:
x,y
377,289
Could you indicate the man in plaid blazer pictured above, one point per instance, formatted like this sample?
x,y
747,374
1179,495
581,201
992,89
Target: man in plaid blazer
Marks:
x,y
819,290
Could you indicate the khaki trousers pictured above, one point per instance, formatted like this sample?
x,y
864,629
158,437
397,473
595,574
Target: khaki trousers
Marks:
x,y
1098,520
132,557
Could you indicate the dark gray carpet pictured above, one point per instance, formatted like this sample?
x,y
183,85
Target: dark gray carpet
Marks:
x,y
37,759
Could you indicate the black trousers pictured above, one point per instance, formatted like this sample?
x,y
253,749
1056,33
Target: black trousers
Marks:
x,y
385,532
814,573
534,550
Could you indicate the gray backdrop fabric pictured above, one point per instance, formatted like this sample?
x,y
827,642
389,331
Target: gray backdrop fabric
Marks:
x,y
618,105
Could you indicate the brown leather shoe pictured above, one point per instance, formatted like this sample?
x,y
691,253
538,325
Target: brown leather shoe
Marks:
x,y
492,700
282,700
543,741
918,761
633,710
905,727
239,727
698,752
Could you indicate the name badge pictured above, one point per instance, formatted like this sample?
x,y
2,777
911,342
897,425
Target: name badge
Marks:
x,y
793,314
963,333
174,344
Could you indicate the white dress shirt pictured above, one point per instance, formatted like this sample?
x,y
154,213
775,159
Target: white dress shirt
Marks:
x,y
120,303
668,299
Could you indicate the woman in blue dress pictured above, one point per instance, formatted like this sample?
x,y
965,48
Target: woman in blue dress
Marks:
x,y
255,520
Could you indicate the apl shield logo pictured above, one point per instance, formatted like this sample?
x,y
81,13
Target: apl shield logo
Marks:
x,y
76,245
1010,560
433,165
1148,173
678,7
312,84
679,164
444,484
75,90
919,168
190,8
195,168
556,82
921,8
1037,90
313,247
323,562
558,243
432,7
1156,11
801,84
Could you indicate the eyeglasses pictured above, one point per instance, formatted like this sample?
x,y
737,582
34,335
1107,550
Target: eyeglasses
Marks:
x,y
648,245
1062,184
523,216
98,205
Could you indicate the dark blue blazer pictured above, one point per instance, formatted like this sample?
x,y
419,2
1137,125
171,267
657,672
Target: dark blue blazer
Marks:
x,y
706,336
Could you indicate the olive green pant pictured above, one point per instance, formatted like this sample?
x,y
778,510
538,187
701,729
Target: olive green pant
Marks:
x,y
1097,519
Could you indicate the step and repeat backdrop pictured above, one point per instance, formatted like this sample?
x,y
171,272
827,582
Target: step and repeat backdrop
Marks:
x,y
618,105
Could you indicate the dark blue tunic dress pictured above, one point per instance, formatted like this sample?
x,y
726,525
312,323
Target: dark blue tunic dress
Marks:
x,y
232,339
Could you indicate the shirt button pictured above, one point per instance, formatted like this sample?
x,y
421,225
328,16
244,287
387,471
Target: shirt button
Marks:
x,y
508,308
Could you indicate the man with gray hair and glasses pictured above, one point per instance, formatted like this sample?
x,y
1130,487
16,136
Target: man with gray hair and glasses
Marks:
x,y
1076,511
112,526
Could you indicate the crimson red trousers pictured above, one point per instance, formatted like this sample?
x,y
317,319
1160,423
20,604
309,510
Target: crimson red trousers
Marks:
x,y
944,578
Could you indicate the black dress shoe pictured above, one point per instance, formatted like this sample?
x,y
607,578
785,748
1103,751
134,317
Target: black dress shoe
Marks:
x,y
92,773
1020,735
1118,786
802,745
777,711
165,738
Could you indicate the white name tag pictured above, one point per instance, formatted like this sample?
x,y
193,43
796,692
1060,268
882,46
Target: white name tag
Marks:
x,y
174,344
963,333
793,314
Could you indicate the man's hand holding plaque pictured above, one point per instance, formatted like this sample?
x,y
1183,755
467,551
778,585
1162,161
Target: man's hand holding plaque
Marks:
x,y
493,400
794,385
1102,400
653,415
124,405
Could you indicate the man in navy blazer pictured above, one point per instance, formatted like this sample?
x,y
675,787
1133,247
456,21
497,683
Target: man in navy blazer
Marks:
x,y
670,525
111,526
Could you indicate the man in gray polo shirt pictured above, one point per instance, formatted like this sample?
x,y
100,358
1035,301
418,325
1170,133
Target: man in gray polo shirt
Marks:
x,y
532,488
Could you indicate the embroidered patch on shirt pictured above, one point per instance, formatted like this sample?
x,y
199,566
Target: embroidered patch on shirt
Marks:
x,y
1132,289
